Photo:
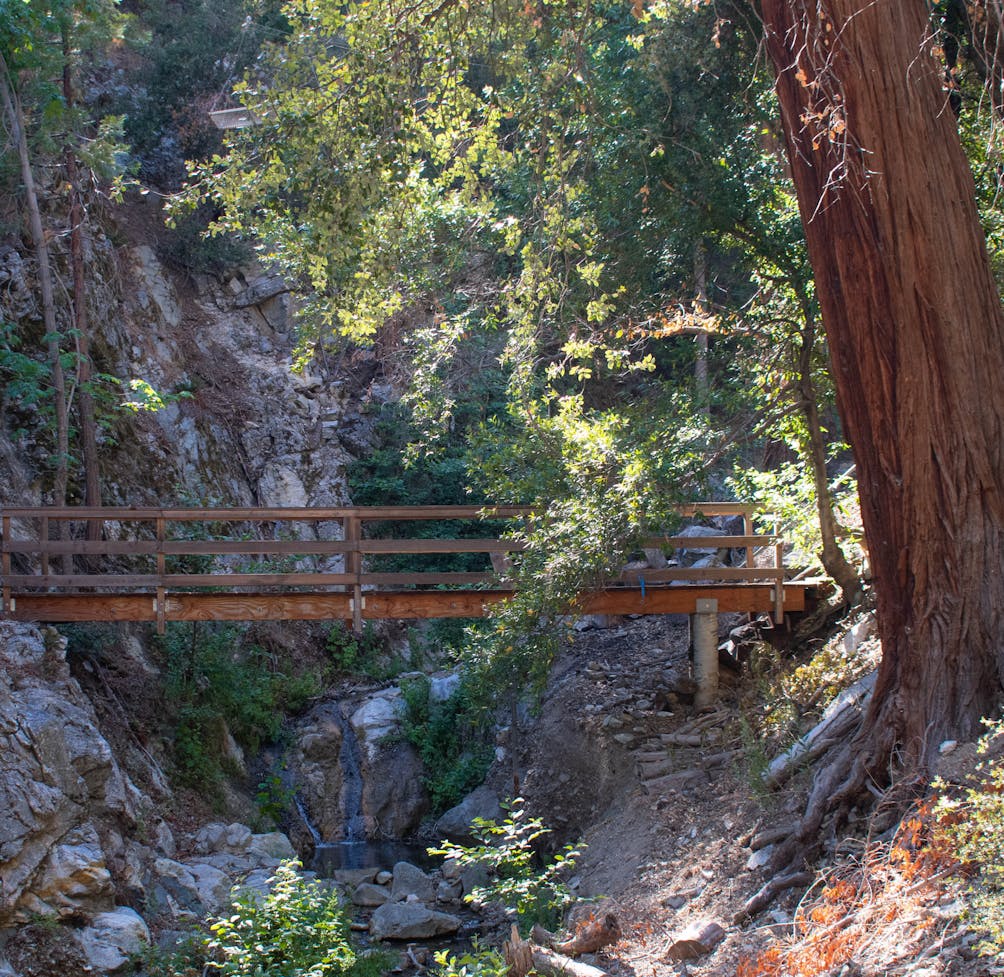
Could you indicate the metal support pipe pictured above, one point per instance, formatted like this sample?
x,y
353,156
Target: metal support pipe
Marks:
x,y
704,633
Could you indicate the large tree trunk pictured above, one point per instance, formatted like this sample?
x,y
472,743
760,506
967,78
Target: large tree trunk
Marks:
x,y
916,335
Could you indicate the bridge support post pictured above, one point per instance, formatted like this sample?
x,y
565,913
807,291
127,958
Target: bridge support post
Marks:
x,y
704,633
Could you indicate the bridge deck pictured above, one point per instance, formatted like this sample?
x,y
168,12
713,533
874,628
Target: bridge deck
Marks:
x,y
160,565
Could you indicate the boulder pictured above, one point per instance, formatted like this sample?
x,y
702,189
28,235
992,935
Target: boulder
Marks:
x,y
473,877
189,888
409,880
377,718
215,837
688,556
317,769
410,921
455,824
449,890
211,885
355,876
112,938
273,845
368,894
172,887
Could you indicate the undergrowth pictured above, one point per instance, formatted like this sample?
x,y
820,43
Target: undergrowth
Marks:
x,y
886,897
450,739
532,889
297,929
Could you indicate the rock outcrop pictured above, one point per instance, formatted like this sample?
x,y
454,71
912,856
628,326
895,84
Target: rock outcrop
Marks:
x,y
376,776
65,804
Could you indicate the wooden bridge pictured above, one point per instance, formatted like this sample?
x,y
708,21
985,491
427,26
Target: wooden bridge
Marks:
x,y
253,564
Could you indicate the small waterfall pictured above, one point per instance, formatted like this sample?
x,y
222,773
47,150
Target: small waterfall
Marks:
x,y
302,811
352,782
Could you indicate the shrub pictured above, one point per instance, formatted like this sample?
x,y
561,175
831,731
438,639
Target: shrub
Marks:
x,y
296,930
971,824
450,742
213,684
534,891
478,962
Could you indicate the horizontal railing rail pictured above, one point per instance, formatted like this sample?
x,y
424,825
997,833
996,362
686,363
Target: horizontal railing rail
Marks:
x,y
160,551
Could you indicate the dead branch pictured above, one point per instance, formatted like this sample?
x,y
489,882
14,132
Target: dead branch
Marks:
x,y
522,957
769,892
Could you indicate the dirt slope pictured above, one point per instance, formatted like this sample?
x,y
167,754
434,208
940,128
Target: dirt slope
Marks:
x,y
673,850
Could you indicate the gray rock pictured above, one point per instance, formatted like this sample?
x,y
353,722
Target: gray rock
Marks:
x,y
255,884
59,781
449,891
355,876
112,938
473,877
455,824
232,838
272,845
74,876
368,894
212,886
410,921
411,880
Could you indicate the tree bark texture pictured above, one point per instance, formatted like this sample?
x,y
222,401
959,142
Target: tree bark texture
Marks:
x,y
916,336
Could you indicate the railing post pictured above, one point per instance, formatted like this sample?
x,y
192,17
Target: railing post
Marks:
x,y
160,603
748,531
704,632
43,537
354,566
779,579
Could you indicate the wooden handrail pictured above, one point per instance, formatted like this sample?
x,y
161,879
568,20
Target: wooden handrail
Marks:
x,y
167,539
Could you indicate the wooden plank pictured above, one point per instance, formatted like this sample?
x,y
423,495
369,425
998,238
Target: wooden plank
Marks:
x,y
254,547
702,573
43,533
713,542
387,605
354,566
54,608
402,546
683,600
67,580
148,580
267,514
322,513
84,547
430,579
264,547
425,604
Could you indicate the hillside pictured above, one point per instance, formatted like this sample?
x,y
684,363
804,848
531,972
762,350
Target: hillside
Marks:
x,y
596,260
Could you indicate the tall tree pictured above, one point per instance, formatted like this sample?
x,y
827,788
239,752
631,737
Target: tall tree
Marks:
x,y
916,335
15,114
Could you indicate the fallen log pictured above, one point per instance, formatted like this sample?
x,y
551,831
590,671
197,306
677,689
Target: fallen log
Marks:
x,y
839,720
522,957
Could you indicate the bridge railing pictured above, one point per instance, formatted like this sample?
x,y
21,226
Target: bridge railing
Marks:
x,y
163,550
